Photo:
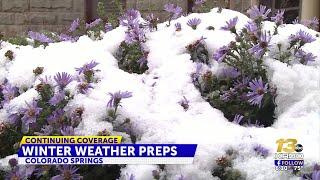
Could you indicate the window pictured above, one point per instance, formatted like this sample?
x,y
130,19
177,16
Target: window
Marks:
x,y
292,8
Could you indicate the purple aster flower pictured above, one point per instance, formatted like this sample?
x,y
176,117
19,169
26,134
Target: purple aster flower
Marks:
x,y
93,23
251,27
46,130
258,89
87,67
130,18
74,25
39,37
178,26
9,92
16,173
174,10
227,95
278,18
108,27
195,76
199,2
152,21
136,34
46,80
13,162
302,36
184,103
231,25
64,37
193,23
29,115
57,98
229,72
84,87
259,49
304,57
142,61
258,14
56,117
260,150
116,98
296,21
221,53
241,84
316,172
67,172
62,79
237,119
313,23
13,118
67,131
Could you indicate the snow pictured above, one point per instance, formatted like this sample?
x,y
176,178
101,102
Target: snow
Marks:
x,y
154,111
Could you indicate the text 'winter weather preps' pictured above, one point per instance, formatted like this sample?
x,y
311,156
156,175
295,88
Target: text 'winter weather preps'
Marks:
x,y
100,150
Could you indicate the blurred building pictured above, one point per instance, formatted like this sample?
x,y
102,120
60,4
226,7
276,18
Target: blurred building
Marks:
x,y
19,16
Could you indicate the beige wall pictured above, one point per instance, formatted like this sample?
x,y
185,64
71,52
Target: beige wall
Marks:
x,y
310,9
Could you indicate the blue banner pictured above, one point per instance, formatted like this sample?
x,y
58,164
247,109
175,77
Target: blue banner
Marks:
x,y
107,150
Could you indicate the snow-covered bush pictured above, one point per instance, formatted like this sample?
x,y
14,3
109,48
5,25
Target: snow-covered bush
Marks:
x,y
180,81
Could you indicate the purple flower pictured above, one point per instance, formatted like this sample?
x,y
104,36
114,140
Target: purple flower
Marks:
x,y
46,130
237,119
93,23
67,172
258,14
13,162
229,72
62,79
227,95
108,27
64,37
9,92
174,10
278,18
13,118
231,25
74,25
39,37
199,2
56,117
260,150
116,98
46,80
130,18
251,27
195,76
178,26
304,57
17,173
221,53
84,87
259,49
302,36
182,177
29,115
193,23
258,89
67,131
57,98
136,34
184,103
241,84
87,67
316,172
313,23
142,61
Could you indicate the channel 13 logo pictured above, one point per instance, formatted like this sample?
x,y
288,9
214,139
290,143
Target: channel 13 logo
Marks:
x,y
288,146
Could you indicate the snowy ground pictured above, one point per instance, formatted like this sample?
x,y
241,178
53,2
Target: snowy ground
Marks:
x,y
154,110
